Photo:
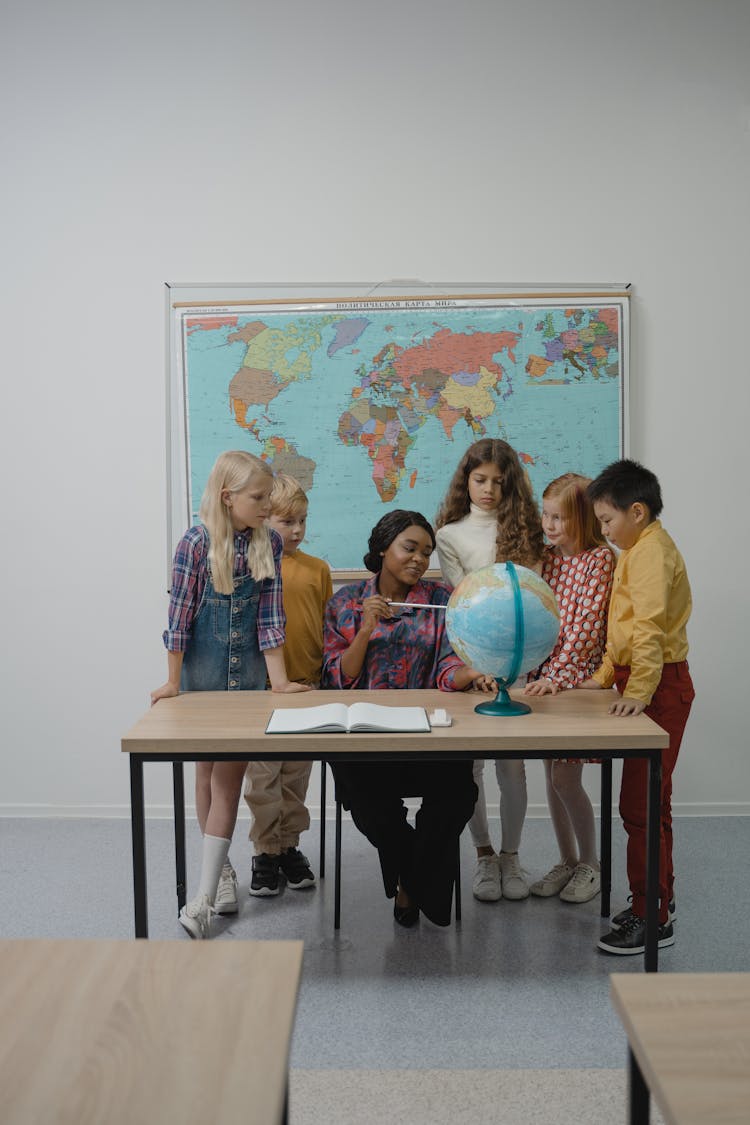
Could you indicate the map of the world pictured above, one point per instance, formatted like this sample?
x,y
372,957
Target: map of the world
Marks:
x,y
371,404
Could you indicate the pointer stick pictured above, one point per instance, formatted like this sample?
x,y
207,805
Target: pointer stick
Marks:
x,y
418,605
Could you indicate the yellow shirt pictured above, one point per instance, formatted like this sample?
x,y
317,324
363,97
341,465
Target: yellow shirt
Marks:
x,y
307,587
648,613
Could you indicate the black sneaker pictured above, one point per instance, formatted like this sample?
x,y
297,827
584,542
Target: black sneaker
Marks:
x,y
631,937
296,868
265,880
625,915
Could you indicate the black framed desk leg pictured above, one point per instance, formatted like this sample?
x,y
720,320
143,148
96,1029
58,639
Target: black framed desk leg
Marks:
x,y
653,834
457,882
605,843
337,871
138,832
639,1101
322,863
178,790
285,1110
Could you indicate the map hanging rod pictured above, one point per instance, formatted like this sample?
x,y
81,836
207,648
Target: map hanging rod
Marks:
x,y
467,294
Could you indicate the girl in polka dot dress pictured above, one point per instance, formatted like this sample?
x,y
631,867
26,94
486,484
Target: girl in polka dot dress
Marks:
x,y
578,565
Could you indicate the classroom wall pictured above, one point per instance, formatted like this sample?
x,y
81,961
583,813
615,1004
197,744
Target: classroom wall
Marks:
x,y
485,141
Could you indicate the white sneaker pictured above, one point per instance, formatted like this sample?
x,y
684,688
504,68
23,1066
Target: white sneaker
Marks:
x,y
486,883
553,882
226,892
195,917
514,884
584,885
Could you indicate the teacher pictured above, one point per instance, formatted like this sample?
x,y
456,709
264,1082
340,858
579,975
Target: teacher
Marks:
x,y
369,643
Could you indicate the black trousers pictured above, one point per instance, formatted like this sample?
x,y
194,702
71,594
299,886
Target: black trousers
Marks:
x,y
422,858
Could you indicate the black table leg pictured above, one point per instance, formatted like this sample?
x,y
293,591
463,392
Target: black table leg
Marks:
x,y
322,864
605,845
178,790
457,882
639,1108
653,833
138,831
337,870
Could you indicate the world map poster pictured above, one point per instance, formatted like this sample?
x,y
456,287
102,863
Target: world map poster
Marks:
x,y
370,404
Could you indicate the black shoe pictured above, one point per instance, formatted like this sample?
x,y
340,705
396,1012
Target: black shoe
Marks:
x,y
625,915
631,937
265,880
295,866
406,915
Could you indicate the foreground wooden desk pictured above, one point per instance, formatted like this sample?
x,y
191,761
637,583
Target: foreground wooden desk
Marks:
x,y
130,1032
689,1038
204,726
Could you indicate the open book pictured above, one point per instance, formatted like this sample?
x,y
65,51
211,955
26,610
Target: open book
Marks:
x,y
340,719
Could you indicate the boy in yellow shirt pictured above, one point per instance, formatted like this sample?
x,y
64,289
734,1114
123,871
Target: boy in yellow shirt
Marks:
x,y
645,659
276,791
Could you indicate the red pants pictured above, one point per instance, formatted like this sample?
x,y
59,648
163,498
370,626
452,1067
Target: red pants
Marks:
x,y
669,708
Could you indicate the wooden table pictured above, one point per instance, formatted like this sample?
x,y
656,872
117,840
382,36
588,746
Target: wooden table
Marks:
x,y
129,1032
206,726
689,1040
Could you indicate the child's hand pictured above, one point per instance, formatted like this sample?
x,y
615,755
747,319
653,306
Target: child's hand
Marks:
x,y
590,685
541,687
628,707
290,687
166,691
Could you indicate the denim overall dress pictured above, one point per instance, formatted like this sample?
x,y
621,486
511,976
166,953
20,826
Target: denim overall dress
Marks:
x,y
223,654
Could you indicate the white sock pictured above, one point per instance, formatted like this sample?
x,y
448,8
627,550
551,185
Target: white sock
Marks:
x,y
215,852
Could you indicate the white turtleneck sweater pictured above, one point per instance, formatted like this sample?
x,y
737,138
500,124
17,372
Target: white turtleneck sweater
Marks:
x,y
467,545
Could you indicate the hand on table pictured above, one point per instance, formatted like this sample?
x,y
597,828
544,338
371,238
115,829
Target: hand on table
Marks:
x,y
628,707
166,691
541,687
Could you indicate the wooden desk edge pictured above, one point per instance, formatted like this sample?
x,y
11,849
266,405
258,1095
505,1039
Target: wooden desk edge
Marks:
x,y
184,725
626,989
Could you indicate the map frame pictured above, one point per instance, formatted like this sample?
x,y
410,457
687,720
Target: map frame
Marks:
x,y
399,298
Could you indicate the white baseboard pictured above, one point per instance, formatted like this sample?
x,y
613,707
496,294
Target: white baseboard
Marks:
x,y
164,812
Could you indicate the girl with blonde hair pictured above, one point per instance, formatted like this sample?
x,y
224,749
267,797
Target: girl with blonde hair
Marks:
x,y
226,633
489,515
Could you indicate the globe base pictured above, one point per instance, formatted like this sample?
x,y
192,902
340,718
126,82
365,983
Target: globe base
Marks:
x,y
501,705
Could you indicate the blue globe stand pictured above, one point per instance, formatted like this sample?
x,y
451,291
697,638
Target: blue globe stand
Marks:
x,y
502,704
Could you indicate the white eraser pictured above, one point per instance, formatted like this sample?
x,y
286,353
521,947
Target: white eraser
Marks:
x,y
440,718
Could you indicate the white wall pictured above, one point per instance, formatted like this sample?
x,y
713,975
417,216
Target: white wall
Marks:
x,y
331,141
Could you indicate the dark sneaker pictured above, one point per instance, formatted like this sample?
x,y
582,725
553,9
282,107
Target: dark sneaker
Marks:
x,y
631,937
296,868
624,916
265,880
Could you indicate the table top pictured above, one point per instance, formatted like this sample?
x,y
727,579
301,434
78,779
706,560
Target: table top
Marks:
x,y
137,1031
234,723
690,1033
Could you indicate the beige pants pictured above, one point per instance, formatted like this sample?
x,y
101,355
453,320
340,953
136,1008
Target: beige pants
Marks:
x,y
275,793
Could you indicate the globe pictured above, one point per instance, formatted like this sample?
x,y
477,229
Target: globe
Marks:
x,y
503,621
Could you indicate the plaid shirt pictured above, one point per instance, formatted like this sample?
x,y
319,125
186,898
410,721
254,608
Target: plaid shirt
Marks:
x,y
410,650
189,576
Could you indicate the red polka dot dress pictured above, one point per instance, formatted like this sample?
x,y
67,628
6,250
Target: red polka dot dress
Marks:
x,y
582,585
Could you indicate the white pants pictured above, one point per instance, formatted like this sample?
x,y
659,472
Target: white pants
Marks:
x,y
511,777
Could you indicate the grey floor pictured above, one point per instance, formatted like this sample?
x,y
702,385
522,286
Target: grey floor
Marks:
x,y
469,1023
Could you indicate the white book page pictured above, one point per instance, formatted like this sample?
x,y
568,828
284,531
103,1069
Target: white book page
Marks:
x,y
328,716
375,716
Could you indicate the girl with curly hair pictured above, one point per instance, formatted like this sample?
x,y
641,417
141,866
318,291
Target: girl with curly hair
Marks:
x,y
489,515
